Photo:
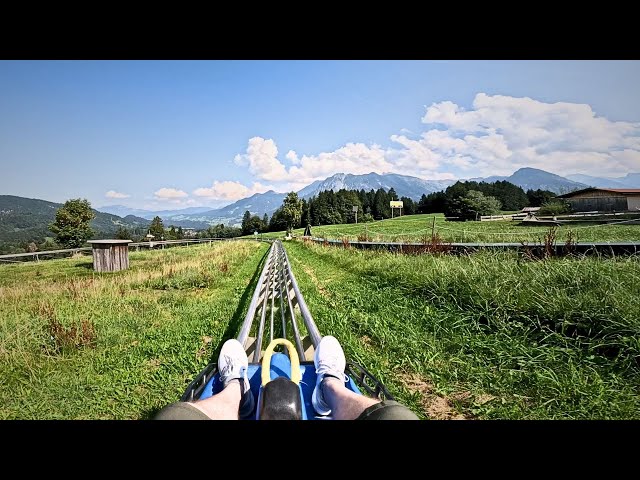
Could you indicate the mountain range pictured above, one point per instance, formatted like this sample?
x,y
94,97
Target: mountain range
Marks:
x,y
123,211
22,219
534,179
404,185
268,202
631,180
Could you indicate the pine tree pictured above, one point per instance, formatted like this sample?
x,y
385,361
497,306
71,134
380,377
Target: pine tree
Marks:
x,y
381,208
409,206
156,228
246,218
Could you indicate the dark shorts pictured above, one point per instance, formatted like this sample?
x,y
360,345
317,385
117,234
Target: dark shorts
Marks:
x,y
386,410
181,411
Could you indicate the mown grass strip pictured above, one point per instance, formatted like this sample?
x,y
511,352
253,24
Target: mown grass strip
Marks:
x,y
418,228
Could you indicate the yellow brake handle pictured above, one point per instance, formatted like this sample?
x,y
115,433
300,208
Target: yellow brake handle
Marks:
x,y
296,376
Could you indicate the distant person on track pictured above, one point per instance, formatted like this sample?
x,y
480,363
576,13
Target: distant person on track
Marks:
x,y
330,395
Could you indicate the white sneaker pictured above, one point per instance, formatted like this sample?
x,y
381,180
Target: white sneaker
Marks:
x,y
233,364
329,361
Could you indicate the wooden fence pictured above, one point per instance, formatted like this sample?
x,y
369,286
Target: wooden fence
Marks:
x,y
48,254
515,216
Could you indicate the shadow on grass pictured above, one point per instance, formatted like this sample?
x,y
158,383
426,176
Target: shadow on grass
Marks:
x,y
243,304
230,331
87,265
150,413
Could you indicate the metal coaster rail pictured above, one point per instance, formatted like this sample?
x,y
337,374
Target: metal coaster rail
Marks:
x,y
277,289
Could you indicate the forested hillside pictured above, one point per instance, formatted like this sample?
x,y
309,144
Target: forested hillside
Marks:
x,y
26,220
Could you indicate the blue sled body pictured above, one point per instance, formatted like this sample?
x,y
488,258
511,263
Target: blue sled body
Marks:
x,y
280,367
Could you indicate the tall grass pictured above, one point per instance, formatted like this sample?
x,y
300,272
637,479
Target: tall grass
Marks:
x,y
75,344
541,339
485,336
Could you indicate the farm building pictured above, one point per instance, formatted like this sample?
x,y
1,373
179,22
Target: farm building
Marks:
x,y
604,199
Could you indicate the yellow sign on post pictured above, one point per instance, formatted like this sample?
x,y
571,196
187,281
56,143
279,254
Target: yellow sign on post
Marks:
x,y
396,204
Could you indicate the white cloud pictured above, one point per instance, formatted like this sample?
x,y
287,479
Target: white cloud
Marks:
x,y
496,136
506,133
114,194
292,156
356,158
230,190
261,159
170,194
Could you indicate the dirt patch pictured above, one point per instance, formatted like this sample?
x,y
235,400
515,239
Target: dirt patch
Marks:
x,y
435,406
206,340
323,291
366,341
154,363
463,396
483,398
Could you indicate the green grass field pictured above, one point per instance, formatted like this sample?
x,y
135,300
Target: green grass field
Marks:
x,y
487,335
484,336
148,330
414,228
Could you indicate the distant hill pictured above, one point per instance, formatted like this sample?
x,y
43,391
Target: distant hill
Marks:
x,y
27,219
123,211
631,180
257,204
534,179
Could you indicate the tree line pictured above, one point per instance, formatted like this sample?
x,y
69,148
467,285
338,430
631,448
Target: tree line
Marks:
x,y
464,200
469,200
331,208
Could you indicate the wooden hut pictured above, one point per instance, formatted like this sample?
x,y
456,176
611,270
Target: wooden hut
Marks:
x,y
110,255
604,199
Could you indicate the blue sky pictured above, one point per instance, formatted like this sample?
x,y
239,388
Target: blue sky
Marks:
x,y
172,134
